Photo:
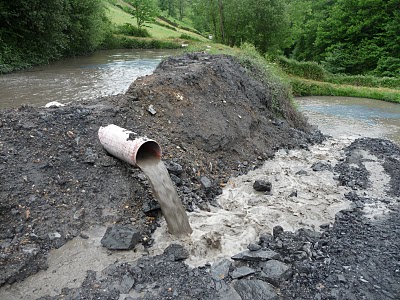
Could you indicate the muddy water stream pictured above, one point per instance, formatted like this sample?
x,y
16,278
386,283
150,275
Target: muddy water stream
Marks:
x,y
165,193
99,74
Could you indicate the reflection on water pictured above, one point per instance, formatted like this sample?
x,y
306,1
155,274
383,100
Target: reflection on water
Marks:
x,y
102,73
358,117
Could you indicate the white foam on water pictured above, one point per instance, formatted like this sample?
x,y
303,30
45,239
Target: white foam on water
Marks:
x,y
379,205
244,213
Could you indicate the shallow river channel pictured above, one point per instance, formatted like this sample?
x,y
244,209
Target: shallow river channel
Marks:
x,y
102,73
354,117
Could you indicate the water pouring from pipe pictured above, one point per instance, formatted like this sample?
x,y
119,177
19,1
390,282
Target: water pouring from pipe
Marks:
x,y
146,154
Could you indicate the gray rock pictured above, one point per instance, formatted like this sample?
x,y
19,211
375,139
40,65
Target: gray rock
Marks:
x,y
90,156
253,247
277,231
206,182
226,292
242,272
321,166
177,251
173,167
255,290
151,206
220,270
293,194
301,172
175,179
266,238
262,186
124,285
151,110
259,255
275,271
54,235
119,237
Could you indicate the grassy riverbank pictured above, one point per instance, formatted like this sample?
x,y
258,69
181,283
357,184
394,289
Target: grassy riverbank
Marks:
x,y
307,87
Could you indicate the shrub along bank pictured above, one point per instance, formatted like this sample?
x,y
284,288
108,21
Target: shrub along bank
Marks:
x,y
311,79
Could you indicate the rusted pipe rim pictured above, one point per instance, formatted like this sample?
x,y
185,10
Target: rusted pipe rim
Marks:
x,y
149,148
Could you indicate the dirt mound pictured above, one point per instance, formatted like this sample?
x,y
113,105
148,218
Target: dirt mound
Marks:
x,y
216,105
213,120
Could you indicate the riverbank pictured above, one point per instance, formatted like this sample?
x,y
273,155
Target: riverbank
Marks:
x,y
307,87
215,119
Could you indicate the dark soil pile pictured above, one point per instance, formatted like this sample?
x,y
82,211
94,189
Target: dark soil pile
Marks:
x,y
213,120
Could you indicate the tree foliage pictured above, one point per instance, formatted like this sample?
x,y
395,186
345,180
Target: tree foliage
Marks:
x,y
352,36
263,23
35,31
143,10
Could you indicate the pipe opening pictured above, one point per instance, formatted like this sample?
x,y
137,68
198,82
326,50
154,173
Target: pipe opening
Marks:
x,y
148,150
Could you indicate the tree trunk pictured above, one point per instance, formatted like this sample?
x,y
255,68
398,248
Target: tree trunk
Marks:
x,y
221,20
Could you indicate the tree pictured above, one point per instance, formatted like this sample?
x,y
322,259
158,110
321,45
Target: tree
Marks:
x,y
263,23
352,36
143,10
87,27
34,31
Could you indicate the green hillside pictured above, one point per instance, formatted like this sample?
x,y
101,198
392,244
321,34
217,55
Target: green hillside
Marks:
x,y
160,29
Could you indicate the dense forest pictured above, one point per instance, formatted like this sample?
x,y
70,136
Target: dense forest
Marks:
x,y
345,36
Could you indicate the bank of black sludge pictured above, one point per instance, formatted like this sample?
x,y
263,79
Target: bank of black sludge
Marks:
x,y
214,119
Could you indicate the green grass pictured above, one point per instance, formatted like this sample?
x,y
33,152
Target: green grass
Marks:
x,y
306,87
120,17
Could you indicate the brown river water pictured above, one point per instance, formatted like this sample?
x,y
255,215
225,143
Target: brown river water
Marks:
x,y
102,73
354,117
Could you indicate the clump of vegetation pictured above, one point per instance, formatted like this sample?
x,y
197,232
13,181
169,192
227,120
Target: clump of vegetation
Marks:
x,y
185,36
302,87
280,90
314,71
129,29
310,70
31,35
126,42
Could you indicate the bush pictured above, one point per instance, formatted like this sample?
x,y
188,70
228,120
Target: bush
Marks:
x,y
259,67
165,25
314,71
388,66
309,70
301,87
364,80
125,42
129,29
185,36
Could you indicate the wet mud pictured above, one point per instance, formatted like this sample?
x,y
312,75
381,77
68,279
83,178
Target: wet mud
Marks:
x,y
214,121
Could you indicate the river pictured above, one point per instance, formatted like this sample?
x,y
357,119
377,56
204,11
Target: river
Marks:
x,y
102,73
352,117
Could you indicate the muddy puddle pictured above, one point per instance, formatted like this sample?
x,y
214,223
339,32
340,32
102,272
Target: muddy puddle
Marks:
x,y
68,266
